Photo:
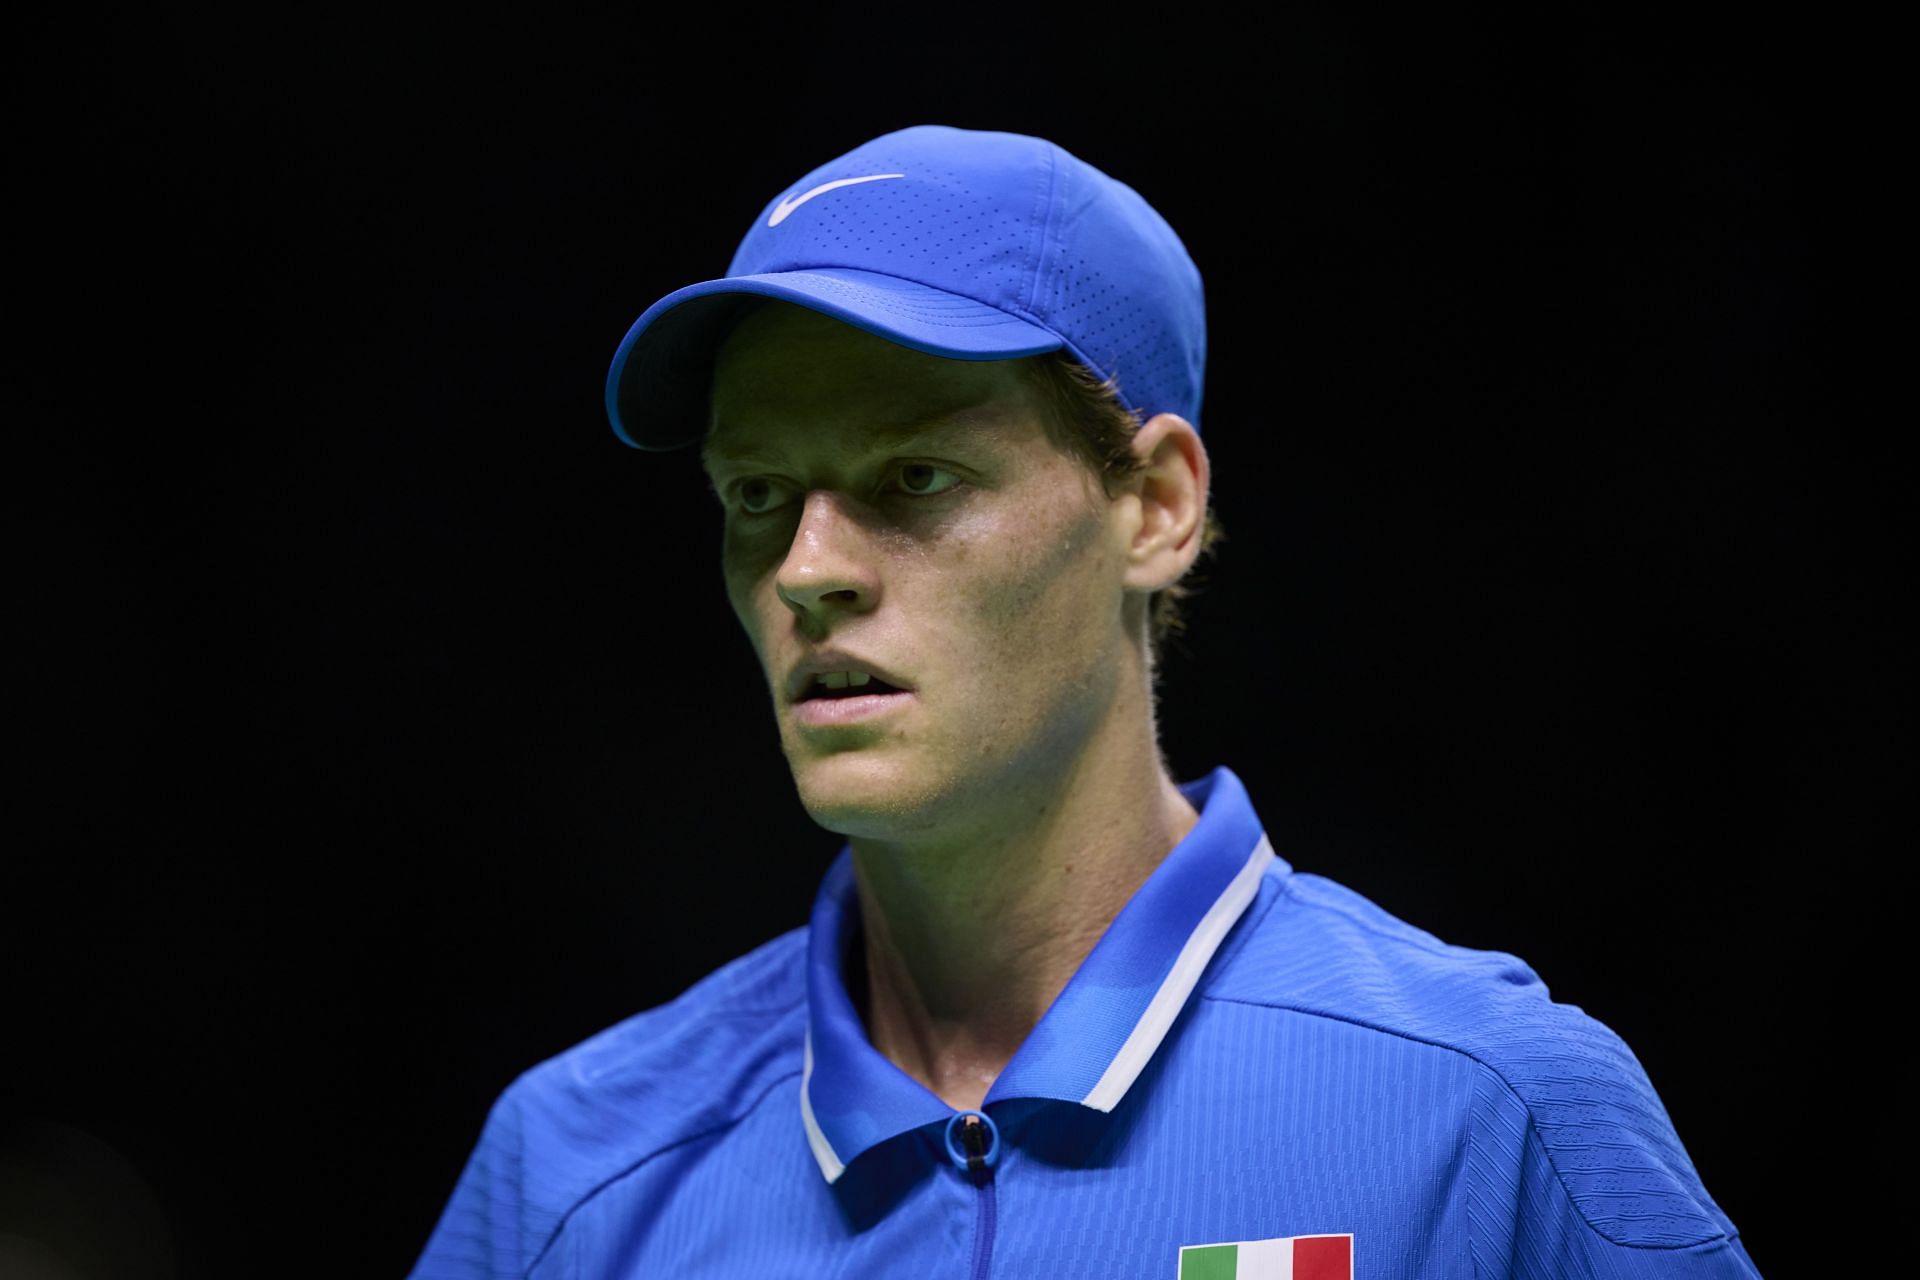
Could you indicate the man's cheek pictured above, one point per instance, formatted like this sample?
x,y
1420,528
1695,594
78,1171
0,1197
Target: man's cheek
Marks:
x,y
1026,586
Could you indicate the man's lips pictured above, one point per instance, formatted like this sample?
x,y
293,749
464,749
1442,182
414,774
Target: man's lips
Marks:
x,y
816,690
820,713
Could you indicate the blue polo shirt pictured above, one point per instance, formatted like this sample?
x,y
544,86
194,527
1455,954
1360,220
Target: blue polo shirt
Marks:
x,y
1255,1073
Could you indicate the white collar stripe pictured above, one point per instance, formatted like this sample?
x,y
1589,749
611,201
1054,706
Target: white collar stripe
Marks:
x,y
1167,1002
830,1164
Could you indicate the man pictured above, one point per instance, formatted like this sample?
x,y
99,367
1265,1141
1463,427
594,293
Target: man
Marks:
x,y
1055,1014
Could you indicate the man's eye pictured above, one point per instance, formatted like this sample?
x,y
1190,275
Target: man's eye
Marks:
x,y
922,479
758,496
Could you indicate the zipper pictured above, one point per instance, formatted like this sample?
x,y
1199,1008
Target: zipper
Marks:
x,y
976,1152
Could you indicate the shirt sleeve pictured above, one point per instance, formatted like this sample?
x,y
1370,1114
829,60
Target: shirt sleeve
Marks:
x,y
484,1229
1600,1188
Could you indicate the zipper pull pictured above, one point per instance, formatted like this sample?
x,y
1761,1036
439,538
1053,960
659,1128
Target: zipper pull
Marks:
x,y
973,1137
978,1141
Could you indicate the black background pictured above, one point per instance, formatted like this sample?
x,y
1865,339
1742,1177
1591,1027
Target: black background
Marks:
x,y
385,727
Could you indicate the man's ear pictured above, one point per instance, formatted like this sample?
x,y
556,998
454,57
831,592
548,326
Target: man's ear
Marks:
x,y
1172,490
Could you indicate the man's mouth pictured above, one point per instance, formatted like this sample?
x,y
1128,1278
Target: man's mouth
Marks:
x,y
848,690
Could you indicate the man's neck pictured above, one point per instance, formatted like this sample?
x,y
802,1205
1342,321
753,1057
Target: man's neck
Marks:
x,y
965,946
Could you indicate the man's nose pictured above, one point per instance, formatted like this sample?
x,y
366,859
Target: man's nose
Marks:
x,y
829,561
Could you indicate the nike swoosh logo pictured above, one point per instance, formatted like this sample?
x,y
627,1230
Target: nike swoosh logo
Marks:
x,y
787,206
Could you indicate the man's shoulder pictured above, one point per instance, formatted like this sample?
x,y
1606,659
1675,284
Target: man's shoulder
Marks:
x,y
602,1109
698,1058
1322,948
1542,1067
1328,951
695,1065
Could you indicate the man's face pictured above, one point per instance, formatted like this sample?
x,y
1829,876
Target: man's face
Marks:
x,y
910,511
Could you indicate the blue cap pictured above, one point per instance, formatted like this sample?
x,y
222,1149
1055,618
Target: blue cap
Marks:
x,y
964,243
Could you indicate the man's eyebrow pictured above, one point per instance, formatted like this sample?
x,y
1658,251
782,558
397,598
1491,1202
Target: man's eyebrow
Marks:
x,y
943,423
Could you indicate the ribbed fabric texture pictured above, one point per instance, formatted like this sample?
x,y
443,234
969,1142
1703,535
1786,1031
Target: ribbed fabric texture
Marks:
x,y
1337,1070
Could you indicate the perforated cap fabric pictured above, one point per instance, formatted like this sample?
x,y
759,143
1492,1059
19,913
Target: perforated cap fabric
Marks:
x,y
964,243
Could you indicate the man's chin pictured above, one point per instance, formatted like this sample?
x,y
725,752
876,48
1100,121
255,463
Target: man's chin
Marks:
x,y
862,794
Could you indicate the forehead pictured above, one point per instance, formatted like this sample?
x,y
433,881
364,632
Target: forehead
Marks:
x,y
788,374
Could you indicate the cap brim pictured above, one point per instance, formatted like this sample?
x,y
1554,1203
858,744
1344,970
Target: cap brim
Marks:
x,y
657,386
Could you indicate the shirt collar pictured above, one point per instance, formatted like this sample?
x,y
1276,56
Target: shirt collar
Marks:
x,y
1095,1038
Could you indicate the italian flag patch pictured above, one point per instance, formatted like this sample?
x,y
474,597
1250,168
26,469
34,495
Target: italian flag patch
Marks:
x,y
1288,1258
